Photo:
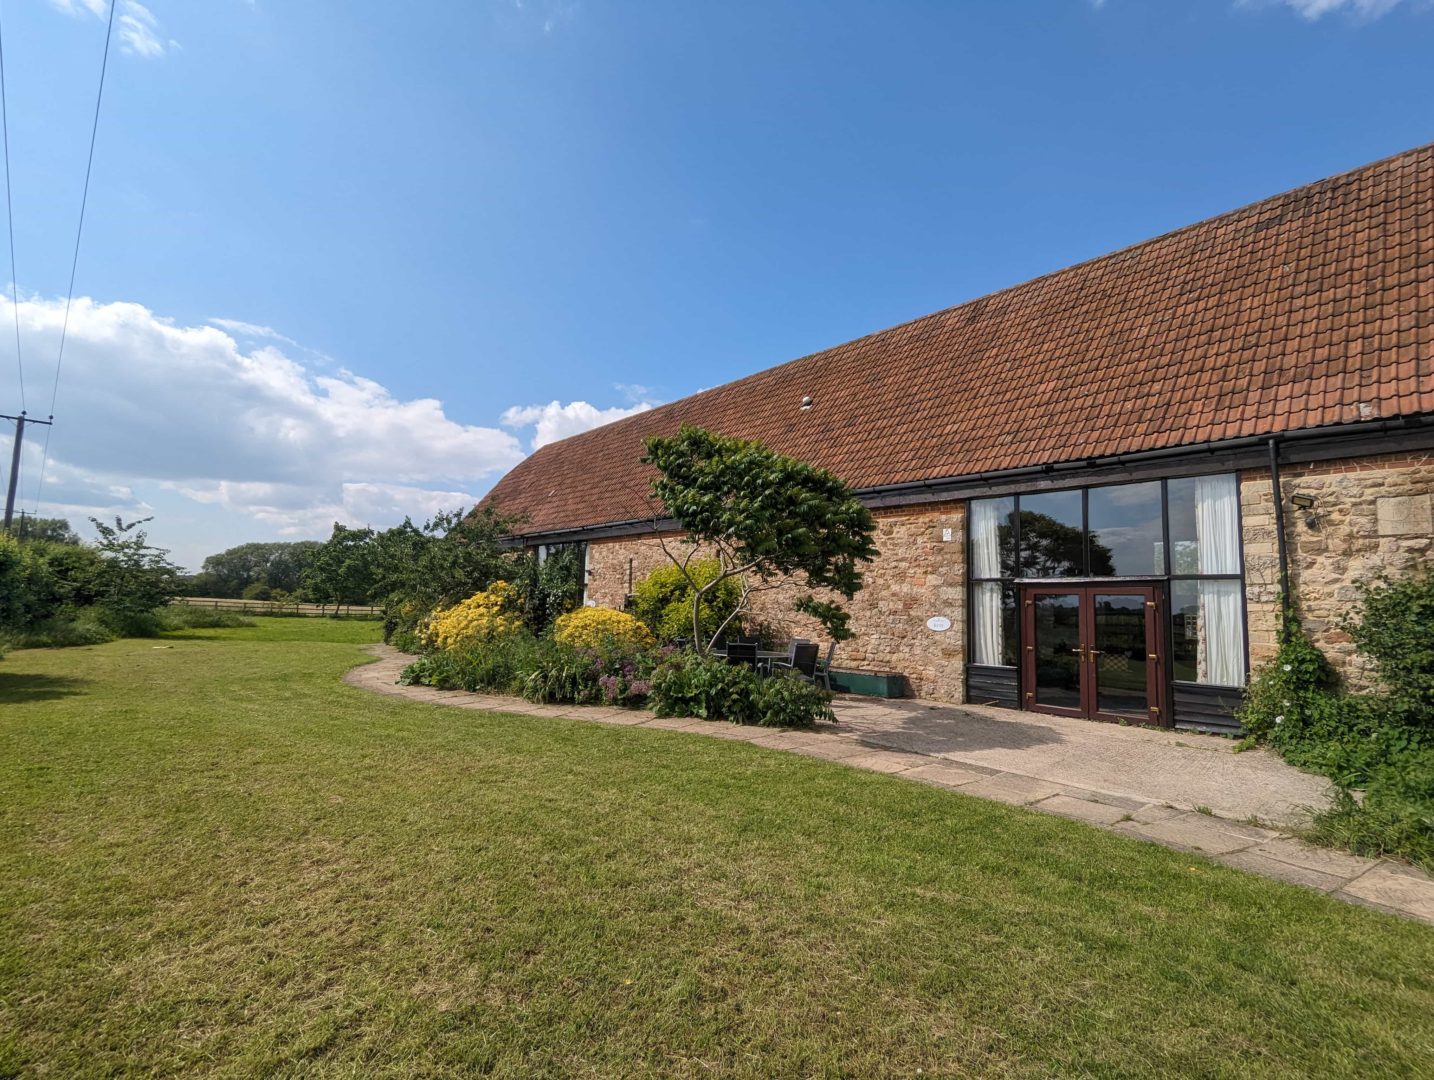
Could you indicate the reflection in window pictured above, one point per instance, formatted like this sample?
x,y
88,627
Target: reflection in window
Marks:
x,y
1125,523
1205,525
1052,536
1207,620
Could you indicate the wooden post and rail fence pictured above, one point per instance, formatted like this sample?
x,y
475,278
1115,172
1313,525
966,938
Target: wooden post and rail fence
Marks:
x,y
280,607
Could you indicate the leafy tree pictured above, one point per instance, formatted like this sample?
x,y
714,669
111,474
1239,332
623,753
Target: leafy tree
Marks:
x,y
766,518
54,530
277,564
450,558
27,586
343,569
135,579
76,570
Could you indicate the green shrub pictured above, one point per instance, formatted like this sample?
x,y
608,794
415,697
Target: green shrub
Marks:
x,y
709,688
495,666
663,600
405,640
1395,817
1377,748
548,589
1395,630
28,589
62,632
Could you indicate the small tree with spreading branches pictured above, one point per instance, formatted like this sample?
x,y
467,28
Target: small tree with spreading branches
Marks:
x,y
771,521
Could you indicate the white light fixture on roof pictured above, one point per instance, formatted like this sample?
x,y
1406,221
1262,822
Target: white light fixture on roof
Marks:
x,y
806,402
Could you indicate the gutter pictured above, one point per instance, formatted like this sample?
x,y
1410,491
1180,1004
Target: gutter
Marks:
x,y
1368,427
891,494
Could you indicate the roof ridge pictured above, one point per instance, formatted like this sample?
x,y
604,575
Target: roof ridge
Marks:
x,y
1348,174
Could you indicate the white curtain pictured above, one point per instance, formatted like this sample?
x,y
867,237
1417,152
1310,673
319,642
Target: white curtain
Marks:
x,y
1217,529
986,623
1217,524
986,537
986,595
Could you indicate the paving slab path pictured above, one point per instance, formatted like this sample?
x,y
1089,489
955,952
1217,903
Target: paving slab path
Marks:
x,y
1182,790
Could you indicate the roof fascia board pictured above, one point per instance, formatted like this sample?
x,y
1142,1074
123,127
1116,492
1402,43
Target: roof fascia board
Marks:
x,y
1410,433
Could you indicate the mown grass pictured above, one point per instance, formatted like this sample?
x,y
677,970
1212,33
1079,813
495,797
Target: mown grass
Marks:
x,y
217,859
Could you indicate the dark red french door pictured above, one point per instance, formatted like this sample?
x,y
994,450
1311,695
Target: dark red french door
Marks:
x,y
1093,650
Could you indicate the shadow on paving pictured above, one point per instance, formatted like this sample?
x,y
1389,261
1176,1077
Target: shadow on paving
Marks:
x,y
19,689
926,730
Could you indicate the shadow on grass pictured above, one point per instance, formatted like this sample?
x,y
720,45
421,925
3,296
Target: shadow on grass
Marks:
x,y
16,688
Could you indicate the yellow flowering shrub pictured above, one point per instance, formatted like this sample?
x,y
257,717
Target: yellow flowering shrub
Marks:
x,y
589,627
484,616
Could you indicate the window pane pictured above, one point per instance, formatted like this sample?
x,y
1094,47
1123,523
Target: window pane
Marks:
x,y
993,623
1126,531
993,539
1207,619
1052,543
1205,525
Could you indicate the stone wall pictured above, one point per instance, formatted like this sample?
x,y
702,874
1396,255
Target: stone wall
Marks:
x,y
1370,514
918,574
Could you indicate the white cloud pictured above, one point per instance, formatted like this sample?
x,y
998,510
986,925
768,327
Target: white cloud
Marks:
x,y
149,406
555,420
138,30
1315,9
97,8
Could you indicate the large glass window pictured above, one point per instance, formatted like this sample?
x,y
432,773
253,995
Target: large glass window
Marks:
x,y
1127,531
993,595
1052,535
1186,531
1206,606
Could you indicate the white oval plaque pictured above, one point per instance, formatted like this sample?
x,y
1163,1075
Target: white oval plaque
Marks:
x,y
938,623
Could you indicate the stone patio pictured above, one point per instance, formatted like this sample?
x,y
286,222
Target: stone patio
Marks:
x,y
1182,790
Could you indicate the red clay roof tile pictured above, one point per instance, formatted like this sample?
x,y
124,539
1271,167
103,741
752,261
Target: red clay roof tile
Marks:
x,y
1313,307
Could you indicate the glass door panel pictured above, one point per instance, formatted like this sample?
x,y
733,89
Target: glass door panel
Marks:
x,y
1056,650
1093,650
1118,654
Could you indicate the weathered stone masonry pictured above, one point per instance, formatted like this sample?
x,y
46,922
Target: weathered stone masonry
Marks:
x,y
1371,514
919,574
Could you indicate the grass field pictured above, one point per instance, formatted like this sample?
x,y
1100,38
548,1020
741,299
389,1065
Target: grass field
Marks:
x,y
217,859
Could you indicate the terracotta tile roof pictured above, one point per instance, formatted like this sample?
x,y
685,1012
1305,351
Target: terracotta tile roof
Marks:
x,y
1311,308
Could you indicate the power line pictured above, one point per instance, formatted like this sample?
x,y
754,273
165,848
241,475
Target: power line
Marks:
x,y
79,232
10,217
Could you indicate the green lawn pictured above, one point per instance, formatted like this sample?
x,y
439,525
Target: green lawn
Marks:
x,y
216,858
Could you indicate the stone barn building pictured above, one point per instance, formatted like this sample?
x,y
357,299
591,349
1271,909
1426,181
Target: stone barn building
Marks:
x,y
1089,487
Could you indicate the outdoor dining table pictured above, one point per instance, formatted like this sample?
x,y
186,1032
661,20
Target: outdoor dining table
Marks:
x,y
764,657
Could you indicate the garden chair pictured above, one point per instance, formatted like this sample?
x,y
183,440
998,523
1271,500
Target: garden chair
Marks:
x,y
802,660
742,653
824,666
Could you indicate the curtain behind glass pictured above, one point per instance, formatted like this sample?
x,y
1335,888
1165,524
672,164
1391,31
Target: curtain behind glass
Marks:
x,y
1222,652
986,623
1217,528
986,595
986,537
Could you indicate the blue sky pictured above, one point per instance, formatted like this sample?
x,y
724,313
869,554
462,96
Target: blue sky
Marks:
x,y
351,260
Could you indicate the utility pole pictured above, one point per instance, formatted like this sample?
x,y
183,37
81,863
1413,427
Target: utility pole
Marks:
x,y
20,422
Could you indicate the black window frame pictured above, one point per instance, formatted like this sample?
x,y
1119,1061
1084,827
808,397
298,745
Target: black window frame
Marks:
x,y
1167,579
